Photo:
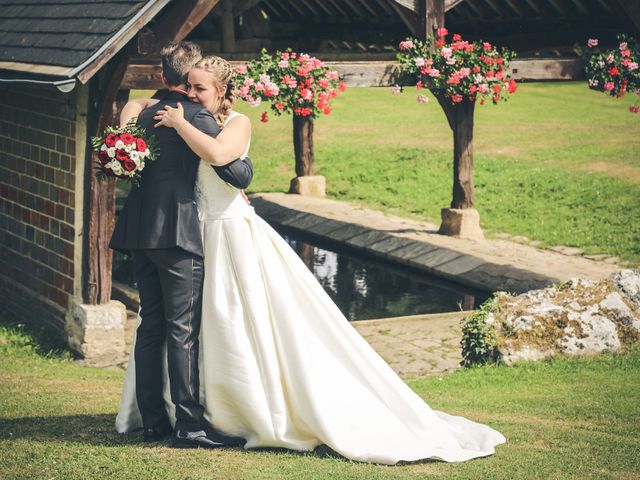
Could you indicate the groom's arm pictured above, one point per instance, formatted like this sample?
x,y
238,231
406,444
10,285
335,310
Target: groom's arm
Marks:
x,y
239,172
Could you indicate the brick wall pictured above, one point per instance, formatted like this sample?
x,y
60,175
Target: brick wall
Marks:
x,y
37,210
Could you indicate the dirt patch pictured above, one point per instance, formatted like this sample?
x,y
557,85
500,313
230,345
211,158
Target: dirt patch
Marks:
x,y
624,172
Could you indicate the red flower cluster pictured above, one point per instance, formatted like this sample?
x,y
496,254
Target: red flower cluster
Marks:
x,y
291,82
459,69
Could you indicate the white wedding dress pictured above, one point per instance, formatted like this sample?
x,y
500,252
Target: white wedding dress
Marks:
x,y
281,366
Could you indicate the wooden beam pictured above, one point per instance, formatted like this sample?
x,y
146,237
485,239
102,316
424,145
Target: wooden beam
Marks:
x,y
408,4
366,5
296,7
495,8
474,7
338,8
515,8
311,8
355,8
322,5
385,6
605,5
534,6
363,70
557,6
632,9
407,16
449,4
179,20
227,25
240,7
581,7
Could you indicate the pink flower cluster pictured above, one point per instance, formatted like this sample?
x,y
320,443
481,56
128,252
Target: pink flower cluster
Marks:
x,y
459,69
292,82
614,71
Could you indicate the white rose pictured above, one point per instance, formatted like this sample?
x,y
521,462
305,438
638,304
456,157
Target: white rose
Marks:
x,y
119,144
135,156
129,148
104,147
111,152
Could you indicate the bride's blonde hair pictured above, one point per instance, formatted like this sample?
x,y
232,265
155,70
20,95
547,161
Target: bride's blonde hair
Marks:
x,y
223,74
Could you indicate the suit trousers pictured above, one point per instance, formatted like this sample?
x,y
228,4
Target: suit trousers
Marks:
x,y
170,286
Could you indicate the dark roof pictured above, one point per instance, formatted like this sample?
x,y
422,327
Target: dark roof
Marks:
x,y
61,37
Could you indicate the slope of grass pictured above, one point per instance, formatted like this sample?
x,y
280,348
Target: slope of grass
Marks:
x,y
567,418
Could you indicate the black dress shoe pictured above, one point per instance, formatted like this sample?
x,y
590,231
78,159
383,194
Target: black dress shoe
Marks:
x,y
198,439
156,433
227,440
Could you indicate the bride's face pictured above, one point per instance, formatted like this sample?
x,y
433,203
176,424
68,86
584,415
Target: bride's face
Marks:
x,y
202,88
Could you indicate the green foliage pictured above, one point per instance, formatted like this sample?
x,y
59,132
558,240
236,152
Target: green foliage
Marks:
x,y
479,343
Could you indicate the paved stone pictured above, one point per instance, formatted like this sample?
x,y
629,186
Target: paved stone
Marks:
x,y
412,250
305,221
459,265
346,232
435,257
368,238
418,345
325,227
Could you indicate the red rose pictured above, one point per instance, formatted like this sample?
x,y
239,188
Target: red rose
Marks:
x,y
129,165
103,156
264,118
121,155
512,86
442,32
497,88
613,71
327,110
127,138
456,37
111,140
476,69
342,86
439,43
141,145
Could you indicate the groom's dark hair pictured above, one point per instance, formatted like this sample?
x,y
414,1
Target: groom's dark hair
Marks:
x,y
177,60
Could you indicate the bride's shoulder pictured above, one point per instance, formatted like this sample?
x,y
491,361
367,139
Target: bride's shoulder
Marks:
x,y
237,118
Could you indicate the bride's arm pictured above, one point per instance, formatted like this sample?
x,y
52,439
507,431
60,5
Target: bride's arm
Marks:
x,y
133,108
223,149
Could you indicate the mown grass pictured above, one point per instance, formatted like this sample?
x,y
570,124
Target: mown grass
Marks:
x,y
557,163
567,418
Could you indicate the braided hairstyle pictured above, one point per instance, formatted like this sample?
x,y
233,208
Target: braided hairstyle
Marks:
x,y
223,74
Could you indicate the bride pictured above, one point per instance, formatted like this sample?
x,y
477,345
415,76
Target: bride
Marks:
x,y
280,365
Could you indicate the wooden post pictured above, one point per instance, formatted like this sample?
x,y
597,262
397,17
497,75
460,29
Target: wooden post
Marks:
x,y
430,17
303,145
460,118
227,27
101,211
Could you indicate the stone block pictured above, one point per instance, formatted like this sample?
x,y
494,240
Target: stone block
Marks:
x,y
97,332
309,186
461,223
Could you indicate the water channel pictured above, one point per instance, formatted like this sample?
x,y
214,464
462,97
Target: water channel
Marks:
x,y
363,287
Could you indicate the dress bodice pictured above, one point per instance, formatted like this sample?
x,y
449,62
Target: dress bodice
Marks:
x,y
216,199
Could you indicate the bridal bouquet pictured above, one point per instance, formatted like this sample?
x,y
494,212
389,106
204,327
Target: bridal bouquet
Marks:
x,y
292,82
457,69
123,152
615,71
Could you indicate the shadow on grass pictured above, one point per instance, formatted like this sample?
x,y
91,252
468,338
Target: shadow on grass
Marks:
x,y
98,430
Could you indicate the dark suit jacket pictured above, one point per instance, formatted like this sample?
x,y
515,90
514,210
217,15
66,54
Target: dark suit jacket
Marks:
x,y
161,212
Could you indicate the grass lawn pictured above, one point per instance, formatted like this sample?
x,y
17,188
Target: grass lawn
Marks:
x,y
557,163
568,418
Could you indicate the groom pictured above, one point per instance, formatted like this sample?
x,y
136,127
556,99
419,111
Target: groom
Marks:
x,y
159,226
